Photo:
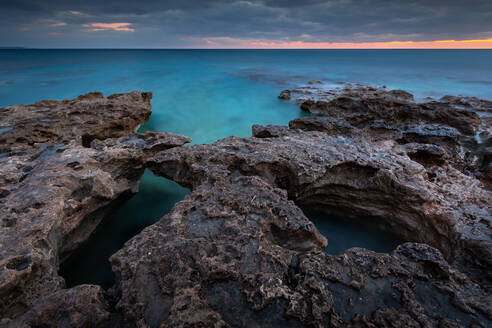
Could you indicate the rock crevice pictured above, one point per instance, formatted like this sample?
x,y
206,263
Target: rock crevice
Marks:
x,y
238,251
239,244
67,165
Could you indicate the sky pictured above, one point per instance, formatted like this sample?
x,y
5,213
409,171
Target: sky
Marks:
x,y
246,24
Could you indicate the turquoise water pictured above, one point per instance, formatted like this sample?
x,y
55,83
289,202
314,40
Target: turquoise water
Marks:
x,y
211,94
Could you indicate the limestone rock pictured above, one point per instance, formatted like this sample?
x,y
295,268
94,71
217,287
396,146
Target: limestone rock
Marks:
x,y
65,166
81,306
461,125
239,252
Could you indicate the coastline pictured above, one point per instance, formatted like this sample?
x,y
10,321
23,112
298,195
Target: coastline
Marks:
x,y
240,243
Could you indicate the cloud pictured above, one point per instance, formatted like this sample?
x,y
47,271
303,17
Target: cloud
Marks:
x,y
95,27
227,42
52,22
57,24
178,23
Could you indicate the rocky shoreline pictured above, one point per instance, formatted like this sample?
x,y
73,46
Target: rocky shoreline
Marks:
x,y
239,251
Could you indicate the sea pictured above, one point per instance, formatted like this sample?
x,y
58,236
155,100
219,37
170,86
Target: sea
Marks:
x,y
211,94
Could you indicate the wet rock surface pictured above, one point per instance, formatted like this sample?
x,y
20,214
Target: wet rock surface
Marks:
x,y
239,252
59,180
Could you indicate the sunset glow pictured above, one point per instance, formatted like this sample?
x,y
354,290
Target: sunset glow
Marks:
x,y
225,42
95,27
58,24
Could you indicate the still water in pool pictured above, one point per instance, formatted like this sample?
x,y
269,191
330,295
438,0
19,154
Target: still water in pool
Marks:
x,y
344,233
89,264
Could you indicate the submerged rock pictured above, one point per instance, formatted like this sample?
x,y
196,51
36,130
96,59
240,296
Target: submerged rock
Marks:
x,y
67,165
284,95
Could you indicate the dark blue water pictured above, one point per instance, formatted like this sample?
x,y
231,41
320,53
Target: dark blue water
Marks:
x,y
211,94
343,233
89,264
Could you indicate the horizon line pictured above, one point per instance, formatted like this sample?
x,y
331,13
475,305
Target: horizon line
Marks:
x,y
232,48
228,43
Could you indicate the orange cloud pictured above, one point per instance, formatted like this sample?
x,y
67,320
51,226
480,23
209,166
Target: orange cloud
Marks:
x,y
278,44
57,24
95,27
52,22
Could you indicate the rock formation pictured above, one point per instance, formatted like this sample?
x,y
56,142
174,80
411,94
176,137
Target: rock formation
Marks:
x,y
462,126
63,167
239,251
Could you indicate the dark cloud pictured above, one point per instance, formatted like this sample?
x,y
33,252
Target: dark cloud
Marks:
x,y
62,23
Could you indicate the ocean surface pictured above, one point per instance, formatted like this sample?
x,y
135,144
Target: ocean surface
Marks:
x,y
211,94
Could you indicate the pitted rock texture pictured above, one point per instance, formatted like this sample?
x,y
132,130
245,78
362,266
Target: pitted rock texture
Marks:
x,y
352,176
88,117
81,306
238,252
462,126
60,178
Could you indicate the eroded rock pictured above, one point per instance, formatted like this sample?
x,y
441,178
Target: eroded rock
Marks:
x,y
461,125
222,257
238,251
81,306
66,166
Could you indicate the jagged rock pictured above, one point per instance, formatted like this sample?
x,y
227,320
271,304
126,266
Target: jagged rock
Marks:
x,y
60,178
81,306
360,110
458,124
269,131
284,95
88,117
469,102
238,252
351,176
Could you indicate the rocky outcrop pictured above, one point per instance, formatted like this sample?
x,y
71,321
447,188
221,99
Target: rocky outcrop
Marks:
x,y
460,125
88,117
81,306
238,251
64,166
